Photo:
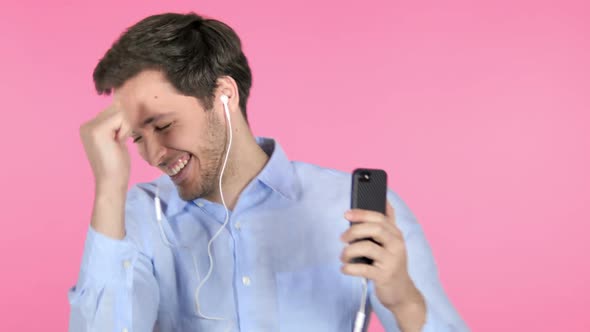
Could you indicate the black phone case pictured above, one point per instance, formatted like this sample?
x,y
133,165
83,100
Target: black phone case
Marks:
x,y
368,194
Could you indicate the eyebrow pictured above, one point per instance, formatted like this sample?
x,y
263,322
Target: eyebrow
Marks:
x,y
152,119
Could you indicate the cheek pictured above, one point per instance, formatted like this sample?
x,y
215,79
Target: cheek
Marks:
x,y
185,138
175,139
142,151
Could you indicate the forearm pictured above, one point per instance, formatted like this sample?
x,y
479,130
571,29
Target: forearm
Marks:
x,y
108,213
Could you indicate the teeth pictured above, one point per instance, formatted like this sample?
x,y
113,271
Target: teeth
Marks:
x,y
179,166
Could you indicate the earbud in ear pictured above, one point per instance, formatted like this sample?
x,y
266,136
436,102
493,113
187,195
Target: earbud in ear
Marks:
x,y
225,101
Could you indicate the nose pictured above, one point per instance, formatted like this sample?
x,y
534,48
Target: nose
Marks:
x,y
154,153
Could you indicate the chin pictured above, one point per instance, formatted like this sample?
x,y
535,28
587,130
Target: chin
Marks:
x,y
189,191
186,194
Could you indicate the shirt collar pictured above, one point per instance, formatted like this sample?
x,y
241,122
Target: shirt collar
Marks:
x,y
278,174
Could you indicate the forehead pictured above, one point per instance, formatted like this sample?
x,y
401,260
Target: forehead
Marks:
x,y
143,85
144,94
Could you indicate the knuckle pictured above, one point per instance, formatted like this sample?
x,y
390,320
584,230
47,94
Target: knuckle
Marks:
x,y
364,268
372,249
346,252
367,245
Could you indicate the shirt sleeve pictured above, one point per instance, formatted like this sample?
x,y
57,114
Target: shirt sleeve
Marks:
x,y
116,289
441,316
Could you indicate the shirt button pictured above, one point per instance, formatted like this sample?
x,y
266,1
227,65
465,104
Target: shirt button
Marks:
x,y
246,280
124,330
237,225
200,204
126,264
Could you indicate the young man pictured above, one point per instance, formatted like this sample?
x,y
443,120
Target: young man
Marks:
x,y
169,256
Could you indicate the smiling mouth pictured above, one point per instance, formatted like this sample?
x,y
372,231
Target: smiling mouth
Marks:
x,y
177,170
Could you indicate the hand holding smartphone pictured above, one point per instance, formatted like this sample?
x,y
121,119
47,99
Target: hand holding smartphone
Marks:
x,y
369,192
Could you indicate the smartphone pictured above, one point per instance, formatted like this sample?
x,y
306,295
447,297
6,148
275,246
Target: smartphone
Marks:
x,y
369,192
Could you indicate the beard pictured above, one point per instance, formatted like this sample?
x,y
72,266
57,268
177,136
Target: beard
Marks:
x,y
207,168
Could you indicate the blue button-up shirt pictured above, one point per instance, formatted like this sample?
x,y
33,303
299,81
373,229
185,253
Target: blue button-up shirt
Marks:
x,y
276,264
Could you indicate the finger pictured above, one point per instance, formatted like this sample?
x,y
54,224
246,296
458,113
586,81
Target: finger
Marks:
x,y
383,233
116,124
390,213
390,217
124,131
358,215
365,249
361,270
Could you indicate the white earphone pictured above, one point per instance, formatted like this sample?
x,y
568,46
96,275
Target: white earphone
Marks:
x,y
158,210
225,101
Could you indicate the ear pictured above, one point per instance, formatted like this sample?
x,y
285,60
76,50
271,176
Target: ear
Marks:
x,y
226,85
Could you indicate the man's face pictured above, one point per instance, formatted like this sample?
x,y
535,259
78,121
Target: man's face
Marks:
x,y
174,133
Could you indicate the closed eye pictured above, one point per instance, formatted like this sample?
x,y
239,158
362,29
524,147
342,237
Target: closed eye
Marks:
x,y
138,138
164,127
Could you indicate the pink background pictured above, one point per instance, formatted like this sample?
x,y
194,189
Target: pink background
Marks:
x,y
479,110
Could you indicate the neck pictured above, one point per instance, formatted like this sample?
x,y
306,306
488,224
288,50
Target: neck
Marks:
x,y
246,160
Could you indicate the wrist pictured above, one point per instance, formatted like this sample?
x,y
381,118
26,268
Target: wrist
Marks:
x,y
410,312
105,188
108,215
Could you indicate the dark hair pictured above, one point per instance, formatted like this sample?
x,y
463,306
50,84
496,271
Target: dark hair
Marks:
x,y
192,52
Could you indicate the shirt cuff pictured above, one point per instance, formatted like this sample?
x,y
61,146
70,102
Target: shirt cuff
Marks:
x,y
106,259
